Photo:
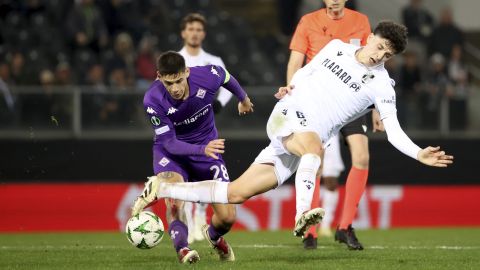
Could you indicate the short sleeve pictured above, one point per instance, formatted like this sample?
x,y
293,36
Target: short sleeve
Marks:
x,y
385,102
300,38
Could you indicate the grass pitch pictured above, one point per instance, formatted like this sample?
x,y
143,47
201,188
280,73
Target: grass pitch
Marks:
x,y
455,248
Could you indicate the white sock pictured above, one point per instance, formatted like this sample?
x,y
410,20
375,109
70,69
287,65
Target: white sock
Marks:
x,y
210,191
188,208
329,204
305,182
201,211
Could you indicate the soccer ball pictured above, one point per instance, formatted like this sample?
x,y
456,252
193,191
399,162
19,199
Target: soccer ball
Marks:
x,y
144,230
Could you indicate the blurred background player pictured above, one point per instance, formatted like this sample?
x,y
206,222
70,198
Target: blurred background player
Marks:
x,y
193,33
186,145
313,32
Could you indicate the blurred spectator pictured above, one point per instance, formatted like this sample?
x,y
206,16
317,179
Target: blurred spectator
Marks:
x,y
458,74
418,20
96,78
288,15
420,25
437,87
125,16
446,35
40,110
410,86
63,74
95,98
18,71
145,66
7,102
86,27
123,56
118,106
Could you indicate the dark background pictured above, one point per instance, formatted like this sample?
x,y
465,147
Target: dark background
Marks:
x,y
131,161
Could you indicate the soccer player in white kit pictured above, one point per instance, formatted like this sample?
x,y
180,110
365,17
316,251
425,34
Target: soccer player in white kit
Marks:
x,y
193,33
341,83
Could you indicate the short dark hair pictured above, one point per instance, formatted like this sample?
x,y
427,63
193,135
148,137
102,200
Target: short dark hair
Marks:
x,y
193,17
395,33
170,62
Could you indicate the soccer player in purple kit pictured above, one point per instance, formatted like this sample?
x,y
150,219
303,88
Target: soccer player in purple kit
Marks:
x,y
186,147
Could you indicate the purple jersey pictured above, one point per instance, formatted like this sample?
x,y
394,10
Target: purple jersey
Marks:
x,y
190,120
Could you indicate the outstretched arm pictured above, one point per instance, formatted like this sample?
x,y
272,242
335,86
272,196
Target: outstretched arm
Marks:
x,y
431,156
244,105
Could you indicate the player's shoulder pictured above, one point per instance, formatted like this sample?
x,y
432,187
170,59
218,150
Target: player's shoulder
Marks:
x,y
337,43
382,77
313,17
355,14
213,59
154,96
209,76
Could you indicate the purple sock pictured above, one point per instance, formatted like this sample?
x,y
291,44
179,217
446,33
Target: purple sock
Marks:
x,y
179,234
216,233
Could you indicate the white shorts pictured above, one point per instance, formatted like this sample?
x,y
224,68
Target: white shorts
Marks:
x,y
284,120
332,161
285,165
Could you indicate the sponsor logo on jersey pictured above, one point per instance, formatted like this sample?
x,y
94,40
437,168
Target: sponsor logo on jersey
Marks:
x,y
355,86
171,110
337,70
151,111
161,130
192,119
155,120
164,161
201,93
214,71
389,101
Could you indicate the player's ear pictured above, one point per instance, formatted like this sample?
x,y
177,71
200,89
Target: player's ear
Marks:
x,y
158,75
370,37
187,72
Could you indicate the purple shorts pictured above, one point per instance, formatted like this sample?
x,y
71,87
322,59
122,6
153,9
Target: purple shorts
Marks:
x,y
192,168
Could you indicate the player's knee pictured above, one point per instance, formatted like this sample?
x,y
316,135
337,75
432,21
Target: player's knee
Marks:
x,y
361,160
236,197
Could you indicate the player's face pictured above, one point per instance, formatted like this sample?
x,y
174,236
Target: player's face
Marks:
x,y
376,51
176,84
335,5
193,34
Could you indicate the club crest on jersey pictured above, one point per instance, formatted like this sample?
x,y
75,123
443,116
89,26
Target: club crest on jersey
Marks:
x,y
355,86
164,161
201,93
171,110
151,111
214,71
367,77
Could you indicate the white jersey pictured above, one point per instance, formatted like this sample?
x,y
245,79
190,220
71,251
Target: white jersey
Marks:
x,y
203,59
334,89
